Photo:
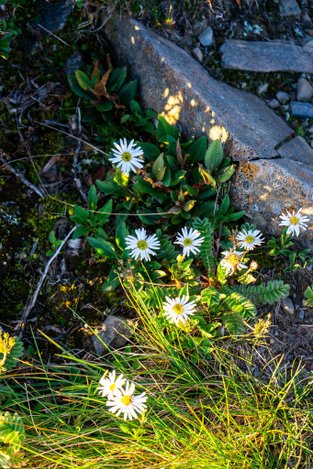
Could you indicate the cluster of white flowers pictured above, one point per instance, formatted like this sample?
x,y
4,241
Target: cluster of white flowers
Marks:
x,y
142,246
121,396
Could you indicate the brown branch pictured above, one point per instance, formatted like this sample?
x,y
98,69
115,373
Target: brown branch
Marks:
x,y
20,176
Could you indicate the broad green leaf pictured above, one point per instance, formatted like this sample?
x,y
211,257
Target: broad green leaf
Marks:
x,y
128,92
226,173
189,205
84,82
164,129
107,187
158,168
72,81
102,247
197,149
178,177
81,231
104,107
80,215
136,108
224,206
213,156
116,79
92,197
120,235
103,214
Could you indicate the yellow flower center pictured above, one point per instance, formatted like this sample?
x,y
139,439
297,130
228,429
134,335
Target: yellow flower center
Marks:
x,y
294,220
233,260
142,245
126,156
126,400
112,386
250,239
187,242
178,309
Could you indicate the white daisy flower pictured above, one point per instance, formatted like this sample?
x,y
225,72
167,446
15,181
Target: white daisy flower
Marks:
x,y
249,239
111,384
127,403
295,222
127,156
190,240
141,245
231,261
178,309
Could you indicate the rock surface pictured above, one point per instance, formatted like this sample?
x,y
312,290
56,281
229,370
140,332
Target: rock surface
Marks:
x,y
304,90
289,8
176,85
297,149
265,188
115,333
282,97
300,109
197,53
272,56
206,38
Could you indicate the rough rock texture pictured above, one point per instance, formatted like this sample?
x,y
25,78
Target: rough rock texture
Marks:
x,y
115,333
173,83
273,56
297,149
304,90
264,188
289,8
300,109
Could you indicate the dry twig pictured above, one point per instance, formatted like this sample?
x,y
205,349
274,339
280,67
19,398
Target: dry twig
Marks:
x,y
21,324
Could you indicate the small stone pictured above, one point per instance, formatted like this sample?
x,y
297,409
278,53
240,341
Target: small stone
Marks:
x,y
308,45
53,16
289,8
304,90
73,246
311,143
197,53
73,63
206,38
301,109
282,97
273,104
310,130
288,306
301,314
115,333
262,89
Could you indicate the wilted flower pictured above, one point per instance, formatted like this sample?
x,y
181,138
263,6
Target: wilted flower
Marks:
x,y
232,261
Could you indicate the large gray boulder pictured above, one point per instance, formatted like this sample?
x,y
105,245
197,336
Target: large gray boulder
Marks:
x,y
176,85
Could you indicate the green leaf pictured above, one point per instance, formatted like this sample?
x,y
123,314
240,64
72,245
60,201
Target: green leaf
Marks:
x,y
309,296
197,149
104,213
150,151
158,168
72,81
80,231
102,247
165,129
234,323
241,305
116,79
189,205
84,82
104,107
80,216
136,108
210,296
224,206
178,177
107,187
112,281
128,92
213,156
166,181
226,173
120,235
92,198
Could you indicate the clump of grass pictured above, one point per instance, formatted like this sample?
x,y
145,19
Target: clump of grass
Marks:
x,y
209,413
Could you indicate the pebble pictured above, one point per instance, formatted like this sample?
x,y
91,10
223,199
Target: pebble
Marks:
x,y
301,109
197,53
311,143
273,104
304,90
282,97
206,38
115,333
288,306
301,315
262,89
310,130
